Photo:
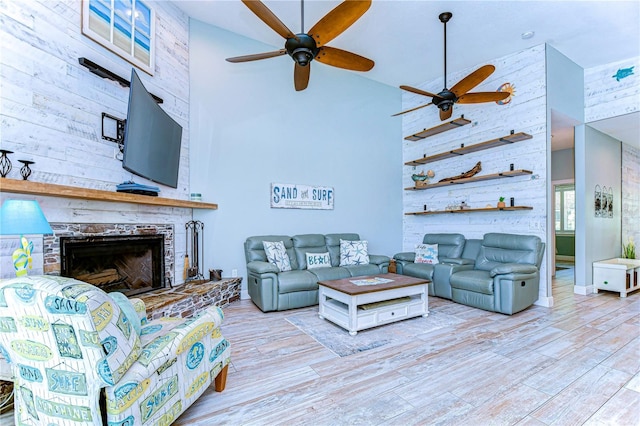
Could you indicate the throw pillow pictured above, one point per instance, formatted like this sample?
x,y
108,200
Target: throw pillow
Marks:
x,y
127,309
277,254
353,253
318,260
427,253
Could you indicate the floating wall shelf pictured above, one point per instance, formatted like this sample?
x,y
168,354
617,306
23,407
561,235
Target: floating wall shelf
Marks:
x,y
485,209
511,138
53,190
501,175
453,124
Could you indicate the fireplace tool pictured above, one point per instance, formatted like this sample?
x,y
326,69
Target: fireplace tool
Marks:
x,y
194,228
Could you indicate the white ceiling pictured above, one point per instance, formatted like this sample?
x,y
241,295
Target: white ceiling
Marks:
x,y
405,38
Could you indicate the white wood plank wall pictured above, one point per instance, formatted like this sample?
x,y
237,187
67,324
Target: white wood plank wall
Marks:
x,y
605,96
50,112
525,113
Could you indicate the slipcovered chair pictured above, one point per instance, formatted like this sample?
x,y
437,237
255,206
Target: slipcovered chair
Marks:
x,y
506,274
80,356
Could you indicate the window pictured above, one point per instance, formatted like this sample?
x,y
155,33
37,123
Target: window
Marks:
x,y
565,209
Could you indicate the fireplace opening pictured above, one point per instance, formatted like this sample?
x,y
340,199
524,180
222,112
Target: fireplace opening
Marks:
x,y
131,264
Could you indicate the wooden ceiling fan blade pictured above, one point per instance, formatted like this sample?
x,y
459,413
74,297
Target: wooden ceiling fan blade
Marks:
x,y
301,76
479,97
412,109
419,92
338,20
343,59
257,56
269,18
472,80
445,115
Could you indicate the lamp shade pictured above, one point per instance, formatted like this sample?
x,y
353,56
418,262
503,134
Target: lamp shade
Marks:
x,y
23,217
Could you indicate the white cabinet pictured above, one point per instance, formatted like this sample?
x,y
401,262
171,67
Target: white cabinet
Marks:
x,y
617,274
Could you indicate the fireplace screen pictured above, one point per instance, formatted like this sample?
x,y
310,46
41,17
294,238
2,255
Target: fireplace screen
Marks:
x,y
130,264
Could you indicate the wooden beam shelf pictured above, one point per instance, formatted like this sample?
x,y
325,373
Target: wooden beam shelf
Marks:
x,y
54,190
511,138
484,209
500,175
453,124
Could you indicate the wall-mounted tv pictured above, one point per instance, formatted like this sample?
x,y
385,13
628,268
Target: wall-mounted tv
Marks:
x,y
152,139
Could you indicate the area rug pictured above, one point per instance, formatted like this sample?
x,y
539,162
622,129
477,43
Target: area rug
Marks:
x,y
340,342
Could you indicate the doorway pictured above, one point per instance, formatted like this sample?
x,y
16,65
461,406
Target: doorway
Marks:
x,y
564,207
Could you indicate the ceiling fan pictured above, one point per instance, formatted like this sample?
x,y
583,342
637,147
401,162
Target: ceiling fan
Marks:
x,y
305,47
459,92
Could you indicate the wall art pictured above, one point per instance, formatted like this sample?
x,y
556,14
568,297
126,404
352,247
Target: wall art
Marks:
x,y
125,27
293,196
603,202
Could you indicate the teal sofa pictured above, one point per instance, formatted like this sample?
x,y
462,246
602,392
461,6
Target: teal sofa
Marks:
x,y
273,290
498,273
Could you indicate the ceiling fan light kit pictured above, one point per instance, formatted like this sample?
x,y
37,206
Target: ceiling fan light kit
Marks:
x,y
459,93
305,47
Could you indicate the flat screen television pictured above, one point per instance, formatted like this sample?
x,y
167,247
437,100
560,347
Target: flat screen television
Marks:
x,y
152,139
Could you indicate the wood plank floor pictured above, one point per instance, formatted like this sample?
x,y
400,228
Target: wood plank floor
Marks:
x,y
576,363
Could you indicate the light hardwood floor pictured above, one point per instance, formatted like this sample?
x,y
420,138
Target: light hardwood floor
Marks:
x,y
576,363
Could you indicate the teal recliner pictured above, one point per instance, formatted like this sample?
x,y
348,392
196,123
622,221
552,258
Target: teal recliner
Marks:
x,y
273,290
505,277
450,256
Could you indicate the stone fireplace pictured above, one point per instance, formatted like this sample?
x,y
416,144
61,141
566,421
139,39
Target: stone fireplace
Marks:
x,y
130,258
130,264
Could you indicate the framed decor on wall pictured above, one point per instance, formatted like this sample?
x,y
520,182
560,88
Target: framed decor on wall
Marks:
x,y
125,27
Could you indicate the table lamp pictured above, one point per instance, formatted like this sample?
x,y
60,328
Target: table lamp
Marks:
x,y
23,217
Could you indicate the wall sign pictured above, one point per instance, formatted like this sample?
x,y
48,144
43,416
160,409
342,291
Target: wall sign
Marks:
x,y
125,27
291,196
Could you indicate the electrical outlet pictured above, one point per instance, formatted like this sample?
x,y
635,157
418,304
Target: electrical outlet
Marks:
x,y
234,273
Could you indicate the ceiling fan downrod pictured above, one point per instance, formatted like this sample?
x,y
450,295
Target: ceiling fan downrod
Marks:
x,y
444,18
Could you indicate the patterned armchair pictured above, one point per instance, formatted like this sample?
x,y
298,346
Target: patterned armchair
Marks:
x,y
66,340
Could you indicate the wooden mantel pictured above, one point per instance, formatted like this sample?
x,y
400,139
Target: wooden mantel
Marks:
x,y
53,190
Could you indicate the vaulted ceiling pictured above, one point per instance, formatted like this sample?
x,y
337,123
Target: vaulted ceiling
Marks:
x,y
405,38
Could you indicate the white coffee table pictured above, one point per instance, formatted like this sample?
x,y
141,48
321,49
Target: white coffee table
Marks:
x,y
372,303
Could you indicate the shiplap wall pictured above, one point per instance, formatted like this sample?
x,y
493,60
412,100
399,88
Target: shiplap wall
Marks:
x,y
606,97
525,113
631,195
50,112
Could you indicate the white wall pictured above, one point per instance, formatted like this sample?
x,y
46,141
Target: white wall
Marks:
x,y
250,128
50,112
597,238
525,113
565,97
562,164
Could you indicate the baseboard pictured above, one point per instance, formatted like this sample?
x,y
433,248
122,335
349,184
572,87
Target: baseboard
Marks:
x,y
547,302
563,258
244,295
583,290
